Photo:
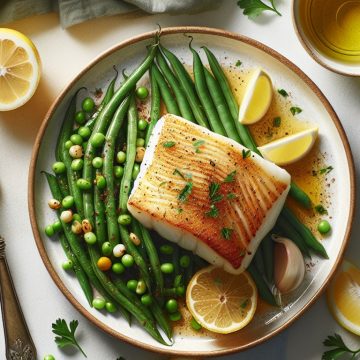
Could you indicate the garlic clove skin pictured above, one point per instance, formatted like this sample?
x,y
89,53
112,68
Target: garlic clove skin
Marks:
x,y
289,265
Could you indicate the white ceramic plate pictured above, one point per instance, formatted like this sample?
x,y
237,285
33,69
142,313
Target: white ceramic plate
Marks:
x,y
229,48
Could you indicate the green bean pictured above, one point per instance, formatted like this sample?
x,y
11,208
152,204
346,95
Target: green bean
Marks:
x,y
261,285
258,261
108,95
161,319
180,96
188,87
289,231
189,271
221,106
108,169
167,96
204,95
100,214
268,257
154,260
175,261
155,106
62,154
136,229
300,196
305,232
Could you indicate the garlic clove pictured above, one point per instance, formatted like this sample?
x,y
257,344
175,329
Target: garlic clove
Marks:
x,y
289,268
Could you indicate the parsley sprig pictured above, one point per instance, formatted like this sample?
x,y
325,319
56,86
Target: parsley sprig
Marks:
x,y
339,348
253,8
66,334
185,192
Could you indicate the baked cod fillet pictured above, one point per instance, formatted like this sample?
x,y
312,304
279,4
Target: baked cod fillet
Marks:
x,y
207,193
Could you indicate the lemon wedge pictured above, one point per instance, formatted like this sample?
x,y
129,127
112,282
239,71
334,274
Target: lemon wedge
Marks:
x,y
19,69
221,302
289,149
257,98
343,297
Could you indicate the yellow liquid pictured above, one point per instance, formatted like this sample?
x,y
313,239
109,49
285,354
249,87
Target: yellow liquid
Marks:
x,y
333,27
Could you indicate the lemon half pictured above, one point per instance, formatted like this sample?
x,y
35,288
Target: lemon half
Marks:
x,y
257,98
343,297
289,149
221,302
19,69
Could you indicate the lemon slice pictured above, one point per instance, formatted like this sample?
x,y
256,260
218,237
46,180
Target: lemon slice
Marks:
x,y
19,69
343,297
221,302
257,98
290,148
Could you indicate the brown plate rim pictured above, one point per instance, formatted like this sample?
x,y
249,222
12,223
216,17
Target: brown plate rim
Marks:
x,y
149,35
308,49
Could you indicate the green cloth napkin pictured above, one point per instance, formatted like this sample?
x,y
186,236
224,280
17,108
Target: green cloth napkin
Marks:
x,y
76,11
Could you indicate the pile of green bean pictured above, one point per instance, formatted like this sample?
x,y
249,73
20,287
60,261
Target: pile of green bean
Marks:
x,y
98,153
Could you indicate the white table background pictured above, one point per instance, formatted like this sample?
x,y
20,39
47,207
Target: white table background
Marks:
x,y
64,53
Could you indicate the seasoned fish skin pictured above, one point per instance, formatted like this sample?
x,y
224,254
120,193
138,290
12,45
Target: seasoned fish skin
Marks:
x,y
174,193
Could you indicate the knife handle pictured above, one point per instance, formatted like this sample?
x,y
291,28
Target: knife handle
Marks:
x,y
18,342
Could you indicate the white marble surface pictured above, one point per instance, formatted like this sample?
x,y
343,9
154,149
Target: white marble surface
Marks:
x,y
64,54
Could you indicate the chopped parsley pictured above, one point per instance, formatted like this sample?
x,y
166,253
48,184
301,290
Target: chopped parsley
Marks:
x,y
231,196
197,145
246,153
226,233
213,212
295,110
277,121
179,210
214,192
320,209
244,304
230,177
185,192
283,92
238,63
162,183
326,170
178,172
168,144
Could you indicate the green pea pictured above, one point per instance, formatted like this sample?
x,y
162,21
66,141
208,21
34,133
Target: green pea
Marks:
x,y
140,142
118,268
67,202
324,227
97,140
176,316
90,238
98,303
68,144
57,226
132,284
77,164
49,357
167,268
141,287
88,104
142,124
121,157
83,184
49,230
127,260
142,92
100,182
141,134
184,261
171,306
76,139
166,249
110,307
136,170
118,171
67,265
84,132
77,217
84,145
106,248
97,162
59,167
124,219
80,117
146,300
180,291
195,325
